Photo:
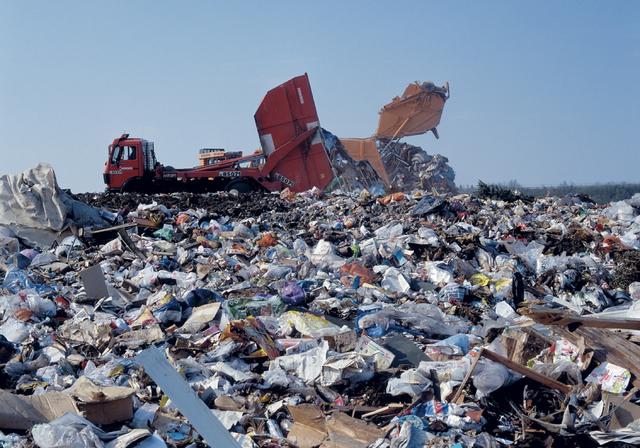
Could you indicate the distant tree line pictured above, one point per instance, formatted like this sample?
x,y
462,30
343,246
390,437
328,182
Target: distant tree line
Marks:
x,y
600,193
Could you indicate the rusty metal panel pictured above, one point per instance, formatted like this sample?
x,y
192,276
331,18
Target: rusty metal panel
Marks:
x,y
366,149
286,112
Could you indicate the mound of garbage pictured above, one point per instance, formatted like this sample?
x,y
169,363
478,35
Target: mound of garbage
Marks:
x,y
311,320
410,168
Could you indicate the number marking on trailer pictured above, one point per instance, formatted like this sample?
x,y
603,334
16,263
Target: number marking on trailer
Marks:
x,y
229,174
285,180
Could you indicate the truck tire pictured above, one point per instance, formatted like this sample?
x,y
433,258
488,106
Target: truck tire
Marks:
x,y
241,186
134,185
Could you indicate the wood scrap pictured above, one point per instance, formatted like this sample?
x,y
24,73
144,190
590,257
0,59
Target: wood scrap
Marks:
x,y
525,371
573,321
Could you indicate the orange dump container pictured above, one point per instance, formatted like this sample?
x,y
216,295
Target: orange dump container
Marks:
x,y
417,111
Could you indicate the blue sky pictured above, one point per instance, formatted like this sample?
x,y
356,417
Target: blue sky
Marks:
x,y
541,92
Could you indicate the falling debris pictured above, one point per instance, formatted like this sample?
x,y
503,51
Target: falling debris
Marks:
x,y
405,167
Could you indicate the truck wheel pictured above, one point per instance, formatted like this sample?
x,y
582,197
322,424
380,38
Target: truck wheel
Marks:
x,y
240,186
134,185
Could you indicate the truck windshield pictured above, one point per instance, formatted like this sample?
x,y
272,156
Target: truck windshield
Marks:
x,y
115,154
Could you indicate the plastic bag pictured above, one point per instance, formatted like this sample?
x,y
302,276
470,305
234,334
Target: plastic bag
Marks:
x,y
57,436
439,273
275,272
489,377
460,340
292,294
357,270
411,382
16,280
254,306
14,330
323,256
555,370
68,245
620,211
306,365
393,280
166,233
307,324
347,367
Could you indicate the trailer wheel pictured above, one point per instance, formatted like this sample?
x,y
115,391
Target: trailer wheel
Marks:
x,y
240,186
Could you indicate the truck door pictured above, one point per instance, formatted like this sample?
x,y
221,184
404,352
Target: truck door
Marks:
x,y
125,163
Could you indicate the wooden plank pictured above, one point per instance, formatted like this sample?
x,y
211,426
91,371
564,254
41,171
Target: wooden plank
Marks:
x,y
467,377
572,321
529,373
389,409
127,225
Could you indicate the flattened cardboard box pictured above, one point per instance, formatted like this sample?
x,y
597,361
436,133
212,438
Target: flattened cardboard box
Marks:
x,y
100,405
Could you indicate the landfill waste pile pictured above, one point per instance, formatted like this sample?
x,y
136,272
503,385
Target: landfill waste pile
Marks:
x,y
493,191
350,175
311,320
431,173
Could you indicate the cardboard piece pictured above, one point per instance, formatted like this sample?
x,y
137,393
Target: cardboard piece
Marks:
x,y
22,412
94,282
625,412
99,405
136,338
200,317
342,342
515,342
82,330
383,358
309,429
349,432
102,405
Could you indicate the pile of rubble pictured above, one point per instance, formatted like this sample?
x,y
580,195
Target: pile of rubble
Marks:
x,y
410,168
307,320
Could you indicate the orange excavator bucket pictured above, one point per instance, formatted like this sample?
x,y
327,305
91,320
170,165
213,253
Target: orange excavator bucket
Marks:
x,y
417,111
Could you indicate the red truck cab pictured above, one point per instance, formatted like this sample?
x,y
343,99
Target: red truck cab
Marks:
x,y
129,159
